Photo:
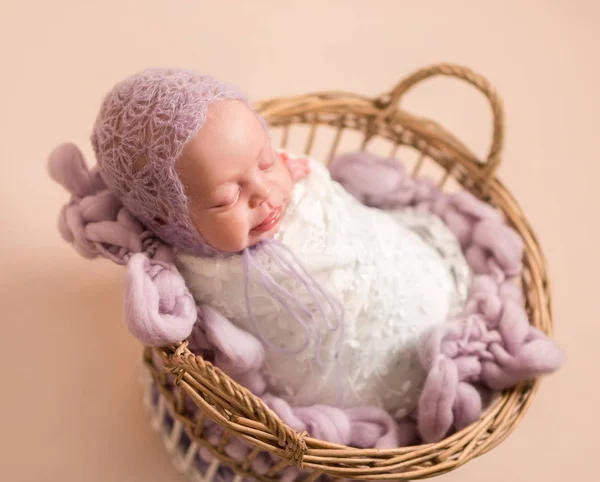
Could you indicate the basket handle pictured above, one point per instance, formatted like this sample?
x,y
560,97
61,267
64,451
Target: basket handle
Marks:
x,y
390,102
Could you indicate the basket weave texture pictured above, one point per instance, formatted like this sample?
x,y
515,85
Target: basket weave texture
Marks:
x,y
328,119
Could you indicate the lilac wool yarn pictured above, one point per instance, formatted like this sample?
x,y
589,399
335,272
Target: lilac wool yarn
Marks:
x,y
143,125
490,345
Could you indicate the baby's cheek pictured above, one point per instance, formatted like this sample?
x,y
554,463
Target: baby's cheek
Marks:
x,y
234,234
223,233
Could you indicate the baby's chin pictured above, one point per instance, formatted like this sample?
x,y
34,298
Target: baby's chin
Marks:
x,y
254,239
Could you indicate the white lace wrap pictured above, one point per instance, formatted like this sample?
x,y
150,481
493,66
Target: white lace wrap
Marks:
x,y
397,273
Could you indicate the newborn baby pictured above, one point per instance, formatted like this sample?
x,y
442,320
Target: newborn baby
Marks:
x,y
253,227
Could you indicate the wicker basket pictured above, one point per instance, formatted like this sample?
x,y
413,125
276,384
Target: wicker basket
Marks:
x,y
373,124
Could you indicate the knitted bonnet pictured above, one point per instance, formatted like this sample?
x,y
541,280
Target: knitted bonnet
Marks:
x,y
142,127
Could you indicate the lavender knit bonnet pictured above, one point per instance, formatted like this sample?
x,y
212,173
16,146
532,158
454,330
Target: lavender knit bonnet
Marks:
x,y
142,127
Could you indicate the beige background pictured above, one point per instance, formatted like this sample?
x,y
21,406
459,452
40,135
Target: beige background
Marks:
x,y
70,406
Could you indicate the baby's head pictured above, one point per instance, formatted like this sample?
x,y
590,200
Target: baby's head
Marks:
x,y
191,159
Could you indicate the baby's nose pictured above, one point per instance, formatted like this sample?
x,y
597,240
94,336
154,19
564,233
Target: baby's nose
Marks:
x,y
260,194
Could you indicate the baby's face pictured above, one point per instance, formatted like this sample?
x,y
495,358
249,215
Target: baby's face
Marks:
x,y
238,187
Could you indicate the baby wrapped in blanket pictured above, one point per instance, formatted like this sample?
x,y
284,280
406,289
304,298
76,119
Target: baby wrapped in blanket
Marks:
x,y
395,274
338,293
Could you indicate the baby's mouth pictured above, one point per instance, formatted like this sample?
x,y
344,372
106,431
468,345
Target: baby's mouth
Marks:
x,y
270,221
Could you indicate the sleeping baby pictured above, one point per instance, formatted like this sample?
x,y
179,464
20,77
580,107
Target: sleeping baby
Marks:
x,y
338,292
340,296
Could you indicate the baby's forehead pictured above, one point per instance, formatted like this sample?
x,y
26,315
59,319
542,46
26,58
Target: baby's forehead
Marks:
x,y
230,136
232,125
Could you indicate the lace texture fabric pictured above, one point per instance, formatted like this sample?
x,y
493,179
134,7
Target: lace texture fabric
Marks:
x,y
397,274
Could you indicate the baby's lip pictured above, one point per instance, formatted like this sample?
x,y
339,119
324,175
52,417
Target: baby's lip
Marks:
x,y
270,221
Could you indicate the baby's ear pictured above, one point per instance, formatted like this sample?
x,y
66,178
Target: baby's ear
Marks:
x,y
298,167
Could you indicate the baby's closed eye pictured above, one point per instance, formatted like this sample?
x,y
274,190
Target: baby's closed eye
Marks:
x,y
227,199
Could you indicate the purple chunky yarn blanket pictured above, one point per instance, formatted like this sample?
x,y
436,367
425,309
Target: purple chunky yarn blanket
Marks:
x,y
490,346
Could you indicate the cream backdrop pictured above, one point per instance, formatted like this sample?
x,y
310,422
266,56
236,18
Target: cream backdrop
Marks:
x,y
70,404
